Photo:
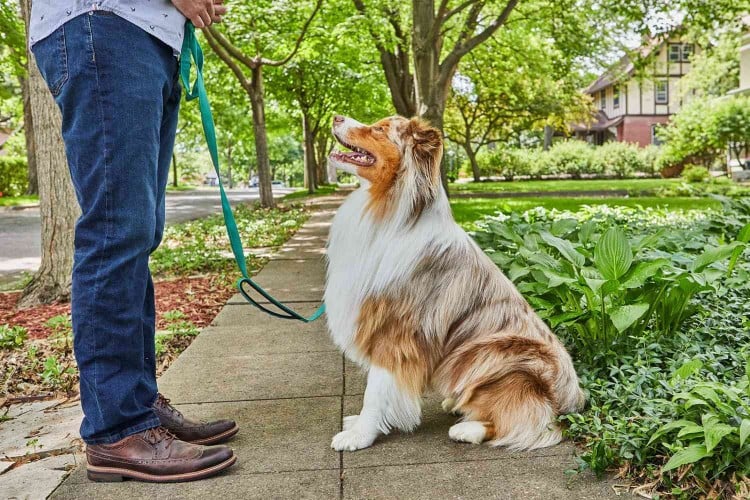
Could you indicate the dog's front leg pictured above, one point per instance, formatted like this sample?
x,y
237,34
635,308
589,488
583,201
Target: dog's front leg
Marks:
x,y
385,406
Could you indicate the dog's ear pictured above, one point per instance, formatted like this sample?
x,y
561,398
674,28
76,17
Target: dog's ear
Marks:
x,y
427,145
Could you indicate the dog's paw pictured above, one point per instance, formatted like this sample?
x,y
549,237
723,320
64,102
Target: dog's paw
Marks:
x,y
468,432
350,440
349,422
448,404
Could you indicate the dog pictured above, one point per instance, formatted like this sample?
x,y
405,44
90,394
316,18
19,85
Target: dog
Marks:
x,y
412,299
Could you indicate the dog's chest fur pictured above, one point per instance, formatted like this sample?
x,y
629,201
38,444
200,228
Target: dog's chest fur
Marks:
x,y
366,258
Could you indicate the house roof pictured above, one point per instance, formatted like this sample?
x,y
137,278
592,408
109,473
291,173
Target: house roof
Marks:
x,y
625,66
601,122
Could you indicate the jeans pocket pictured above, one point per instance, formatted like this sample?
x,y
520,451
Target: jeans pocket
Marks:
x,y
52,60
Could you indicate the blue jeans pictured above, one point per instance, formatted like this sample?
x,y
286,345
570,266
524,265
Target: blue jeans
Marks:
x,y
118,90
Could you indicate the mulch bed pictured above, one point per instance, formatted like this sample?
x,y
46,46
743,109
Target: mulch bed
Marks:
x,y
23,376
200,298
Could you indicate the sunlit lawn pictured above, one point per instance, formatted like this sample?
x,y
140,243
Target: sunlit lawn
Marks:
x,y
468,210
634,186
302,193
13,201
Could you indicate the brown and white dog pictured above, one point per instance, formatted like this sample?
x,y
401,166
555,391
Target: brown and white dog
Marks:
x,y
412,299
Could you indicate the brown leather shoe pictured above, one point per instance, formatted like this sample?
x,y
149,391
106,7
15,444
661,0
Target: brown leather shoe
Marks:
x,y
189,430
156,456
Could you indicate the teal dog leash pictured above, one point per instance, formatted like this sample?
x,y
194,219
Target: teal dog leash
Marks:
x,y
192,53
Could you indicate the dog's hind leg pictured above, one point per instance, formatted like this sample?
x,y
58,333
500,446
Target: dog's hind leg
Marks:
x,y
471,432
385,406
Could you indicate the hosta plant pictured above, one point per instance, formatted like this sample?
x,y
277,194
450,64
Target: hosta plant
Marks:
x,y
598,287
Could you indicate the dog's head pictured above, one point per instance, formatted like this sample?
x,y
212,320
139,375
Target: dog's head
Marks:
x,y
398,157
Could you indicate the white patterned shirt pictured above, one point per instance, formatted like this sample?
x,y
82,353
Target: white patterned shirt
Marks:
x,y
157,17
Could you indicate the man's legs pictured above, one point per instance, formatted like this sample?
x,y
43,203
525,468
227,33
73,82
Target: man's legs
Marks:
x,y
166,146
119,81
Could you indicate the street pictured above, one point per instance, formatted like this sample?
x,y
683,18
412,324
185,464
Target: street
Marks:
x,y
20,239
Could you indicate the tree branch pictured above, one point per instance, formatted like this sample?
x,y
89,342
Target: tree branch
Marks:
x,y
449,64
224,56
298,43
229,47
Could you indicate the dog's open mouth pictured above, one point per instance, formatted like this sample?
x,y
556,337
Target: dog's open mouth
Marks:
x,y
356,156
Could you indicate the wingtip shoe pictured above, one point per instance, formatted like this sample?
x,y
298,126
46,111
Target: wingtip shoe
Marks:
x,y
189,430
156,455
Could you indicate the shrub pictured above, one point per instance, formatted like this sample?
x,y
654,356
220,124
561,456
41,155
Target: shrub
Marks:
x,y
695,173
620,159
602,287
13,175
702,131
674,391
651,159
574,158
507,162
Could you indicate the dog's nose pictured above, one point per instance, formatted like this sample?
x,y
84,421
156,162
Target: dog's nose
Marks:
x,y
338,119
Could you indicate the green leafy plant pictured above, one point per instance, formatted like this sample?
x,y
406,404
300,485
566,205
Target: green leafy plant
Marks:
x,y
62,331
12,337
712,425
598,286
58,375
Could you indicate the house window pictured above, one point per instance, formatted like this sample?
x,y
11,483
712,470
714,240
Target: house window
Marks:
x,y
687,51
602,99
675,52
655,136
661,89
616,96
680,52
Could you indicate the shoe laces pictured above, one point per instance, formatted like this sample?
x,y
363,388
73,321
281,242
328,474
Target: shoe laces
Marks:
x,y
156,435
165,403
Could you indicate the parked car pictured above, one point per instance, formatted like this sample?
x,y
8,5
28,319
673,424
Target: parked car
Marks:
x,y
278,184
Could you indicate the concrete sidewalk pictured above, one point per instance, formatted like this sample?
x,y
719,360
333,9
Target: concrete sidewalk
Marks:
x,y
289,387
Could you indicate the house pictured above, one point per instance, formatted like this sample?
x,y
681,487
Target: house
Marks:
x,y
634,102
744,61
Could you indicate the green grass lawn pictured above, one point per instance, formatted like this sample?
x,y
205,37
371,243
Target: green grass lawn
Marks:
x,y
630,185
180,187
302,193
468,210
14,201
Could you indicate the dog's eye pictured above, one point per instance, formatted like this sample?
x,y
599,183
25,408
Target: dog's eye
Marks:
x,y
378,129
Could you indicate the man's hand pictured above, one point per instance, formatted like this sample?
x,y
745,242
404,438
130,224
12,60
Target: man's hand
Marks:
x,y
202,13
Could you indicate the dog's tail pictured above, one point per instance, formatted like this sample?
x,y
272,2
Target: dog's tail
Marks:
x,y
511,384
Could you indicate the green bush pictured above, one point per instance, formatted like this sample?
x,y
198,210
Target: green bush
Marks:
x,y
654,307
502,162
695,173
620,159
604,288
13,175
574,158
705,129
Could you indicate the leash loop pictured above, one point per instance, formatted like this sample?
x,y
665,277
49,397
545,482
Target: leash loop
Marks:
x,y
192,53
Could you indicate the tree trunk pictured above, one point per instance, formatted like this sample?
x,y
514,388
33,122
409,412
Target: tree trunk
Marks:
x,y
261,140
311,173
473,161
322,147
28,131
28,121
58,206
174,169
548,133
431,87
